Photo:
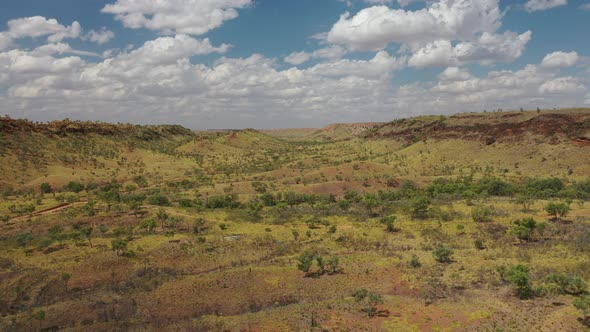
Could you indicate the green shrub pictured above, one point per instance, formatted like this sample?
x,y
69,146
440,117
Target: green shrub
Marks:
x,y
305,261
479,245
583,303
567,284
158,199
482,213
389,221
46,188
557,210
518,276
415,262
524,228
442,253
419,207
368,299
74,186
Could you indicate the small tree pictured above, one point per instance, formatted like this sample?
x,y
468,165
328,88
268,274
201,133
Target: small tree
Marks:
x,y
333,263
526,200
87,232
482,214
524,228
518,275
389,221
65,277
415,262
119,246
305,261
295,234
419,207
46,188
479,245
321,265
198,225
557,210
135,208
148,224
442,253
23,239
582,303
368,299
40,317
162,217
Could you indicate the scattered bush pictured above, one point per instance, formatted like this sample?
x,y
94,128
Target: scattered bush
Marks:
x,y
415,262
46,188
479,245
524,228
557,210
368,299
518,276
567,284
482,213
442,253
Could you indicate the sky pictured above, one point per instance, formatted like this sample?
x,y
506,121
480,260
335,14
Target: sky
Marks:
x,y
209,64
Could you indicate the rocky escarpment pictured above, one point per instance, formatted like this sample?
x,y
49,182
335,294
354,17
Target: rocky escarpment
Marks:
x,y
489,128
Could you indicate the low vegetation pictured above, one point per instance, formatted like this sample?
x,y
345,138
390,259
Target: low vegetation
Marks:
x,y
121,227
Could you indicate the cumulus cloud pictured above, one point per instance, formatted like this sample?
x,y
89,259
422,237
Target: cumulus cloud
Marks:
x,y
38,26
489,48
100,37
375,27
560,59
158,83
537,5
447,32
378,67
5,41
332,52
194,17
561,85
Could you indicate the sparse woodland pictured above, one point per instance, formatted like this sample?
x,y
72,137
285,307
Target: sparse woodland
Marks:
x,y
477,221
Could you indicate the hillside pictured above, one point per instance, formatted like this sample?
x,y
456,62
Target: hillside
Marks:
x,y
333,132
569,125
470,222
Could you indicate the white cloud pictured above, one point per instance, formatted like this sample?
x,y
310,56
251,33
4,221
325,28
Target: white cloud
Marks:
x,y
447,32
5,41
100,37
536,5
489,48
297,58
375,27
331,53
585,6
378,67
560,59
35,27
158,83
60,48
194,17
38,26
561,85
454,74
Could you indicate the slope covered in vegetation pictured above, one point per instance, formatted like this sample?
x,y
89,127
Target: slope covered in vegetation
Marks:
x,y
469,222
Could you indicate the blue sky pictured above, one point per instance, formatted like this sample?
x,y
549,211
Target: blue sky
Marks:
x,y
273,64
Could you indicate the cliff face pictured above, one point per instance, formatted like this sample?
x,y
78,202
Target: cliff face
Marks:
x,y
63,127
491,127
